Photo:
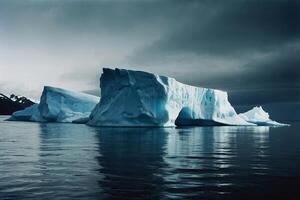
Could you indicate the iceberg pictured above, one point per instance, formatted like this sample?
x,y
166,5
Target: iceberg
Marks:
x,y
259,117
26,114
58,105
136,98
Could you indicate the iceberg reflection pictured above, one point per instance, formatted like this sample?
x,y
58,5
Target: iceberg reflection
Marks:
x,y
131,160
199,158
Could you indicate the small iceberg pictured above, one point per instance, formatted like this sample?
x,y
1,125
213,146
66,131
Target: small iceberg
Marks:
x,y
58,105
259,117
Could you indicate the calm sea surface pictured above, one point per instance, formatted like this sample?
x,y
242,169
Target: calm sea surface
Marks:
x,y
73,161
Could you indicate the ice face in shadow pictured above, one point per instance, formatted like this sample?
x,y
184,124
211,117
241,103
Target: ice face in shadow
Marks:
x,y
260,117
135,98
58,105
26,114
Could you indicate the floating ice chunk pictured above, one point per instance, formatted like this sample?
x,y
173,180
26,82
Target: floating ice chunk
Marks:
x,y
58,105
26,114
260,117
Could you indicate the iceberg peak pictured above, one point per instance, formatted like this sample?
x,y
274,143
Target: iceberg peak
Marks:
x,y
258,116
257,113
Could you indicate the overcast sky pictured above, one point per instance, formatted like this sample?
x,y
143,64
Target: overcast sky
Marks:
x,y
249,48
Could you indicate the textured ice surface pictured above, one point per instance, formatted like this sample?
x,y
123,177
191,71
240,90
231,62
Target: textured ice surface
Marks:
x,y
260,117
26,114
135,98
58,105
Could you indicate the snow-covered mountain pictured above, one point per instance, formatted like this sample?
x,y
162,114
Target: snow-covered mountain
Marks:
x,y
59,105
135,98
260,117
11,104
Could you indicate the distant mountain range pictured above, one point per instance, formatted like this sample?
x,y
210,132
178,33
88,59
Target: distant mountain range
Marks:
x,y
8,105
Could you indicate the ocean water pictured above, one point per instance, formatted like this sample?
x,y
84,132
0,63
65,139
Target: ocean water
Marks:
x,y
74,161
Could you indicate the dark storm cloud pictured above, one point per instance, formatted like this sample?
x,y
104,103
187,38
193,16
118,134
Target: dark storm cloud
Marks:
x,y
279,69
232,28
114,17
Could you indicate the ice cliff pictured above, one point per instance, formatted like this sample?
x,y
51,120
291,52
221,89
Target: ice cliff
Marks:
x,y
259,117
58,105
135,98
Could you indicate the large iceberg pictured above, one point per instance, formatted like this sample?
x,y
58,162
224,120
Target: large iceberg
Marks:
x,y
259,117
135,98
59,105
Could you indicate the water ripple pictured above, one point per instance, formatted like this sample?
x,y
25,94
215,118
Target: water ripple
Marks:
x,y
65,161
